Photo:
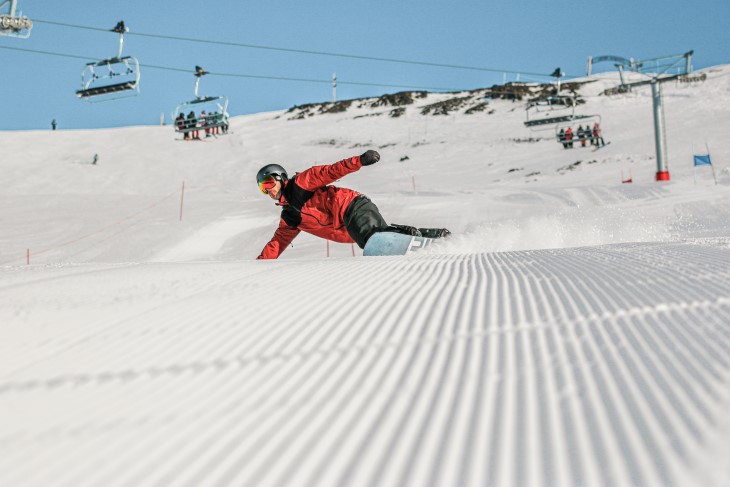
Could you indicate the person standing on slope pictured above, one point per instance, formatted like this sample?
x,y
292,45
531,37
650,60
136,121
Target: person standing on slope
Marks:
x,y
310,203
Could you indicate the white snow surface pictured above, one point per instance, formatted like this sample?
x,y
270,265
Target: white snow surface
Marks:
x,y
574,330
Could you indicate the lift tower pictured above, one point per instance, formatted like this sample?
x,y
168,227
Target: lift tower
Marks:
x,y
655,80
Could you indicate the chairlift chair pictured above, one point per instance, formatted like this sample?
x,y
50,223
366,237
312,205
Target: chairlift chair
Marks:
x,y
12,25
545,113
588,120
215,108
111,79
556,113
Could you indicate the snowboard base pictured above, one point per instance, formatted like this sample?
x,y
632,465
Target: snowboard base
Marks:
x,y
391,243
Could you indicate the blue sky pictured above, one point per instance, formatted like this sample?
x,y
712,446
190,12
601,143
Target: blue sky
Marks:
x,y
530,36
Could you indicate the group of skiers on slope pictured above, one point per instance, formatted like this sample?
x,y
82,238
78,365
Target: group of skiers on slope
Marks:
x,y
566,136
208,121
311,204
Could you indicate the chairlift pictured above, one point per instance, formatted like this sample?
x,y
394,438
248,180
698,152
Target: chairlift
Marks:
x,y
111,79
555,112
12,25
187,116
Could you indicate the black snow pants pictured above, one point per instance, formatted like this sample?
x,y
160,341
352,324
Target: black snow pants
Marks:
x,y
363,219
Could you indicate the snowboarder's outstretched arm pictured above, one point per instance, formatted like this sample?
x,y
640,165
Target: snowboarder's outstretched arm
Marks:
x,y
318,176
283,236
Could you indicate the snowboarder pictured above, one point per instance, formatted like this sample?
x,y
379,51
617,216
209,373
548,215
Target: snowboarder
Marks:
x,y
54,124
311,204
561,138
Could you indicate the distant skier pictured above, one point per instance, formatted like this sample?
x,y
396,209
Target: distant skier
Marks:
x,y
561,138
569,137
309,203
54,124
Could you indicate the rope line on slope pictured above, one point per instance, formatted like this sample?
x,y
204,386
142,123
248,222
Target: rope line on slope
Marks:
x,y
100,230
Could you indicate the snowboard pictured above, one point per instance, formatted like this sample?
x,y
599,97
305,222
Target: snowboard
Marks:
x,y
595,148
391,243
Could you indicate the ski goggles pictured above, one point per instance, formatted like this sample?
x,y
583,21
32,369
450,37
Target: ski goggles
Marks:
x,y
266,184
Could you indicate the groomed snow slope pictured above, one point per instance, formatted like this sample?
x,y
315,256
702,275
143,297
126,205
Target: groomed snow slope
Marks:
x,y
574,331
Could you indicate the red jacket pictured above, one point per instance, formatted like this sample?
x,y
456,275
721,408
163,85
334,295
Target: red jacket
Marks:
x,y
310,205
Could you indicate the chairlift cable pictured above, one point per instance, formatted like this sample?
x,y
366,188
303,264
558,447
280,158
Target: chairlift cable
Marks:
x,y
58,54
303,51
277,78
239,75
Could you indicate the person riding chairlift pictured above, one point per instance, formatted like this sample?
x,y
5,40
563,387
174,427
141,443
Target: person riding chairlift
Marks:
x,y
597,135
569,137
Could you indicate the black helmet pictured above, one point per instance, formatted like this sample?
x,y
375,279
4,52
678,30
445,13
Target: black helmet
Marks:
x,y
272,170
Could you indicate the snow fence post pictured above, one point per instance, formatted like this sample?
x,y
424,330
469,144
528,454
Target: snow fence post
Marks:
x,y
182,198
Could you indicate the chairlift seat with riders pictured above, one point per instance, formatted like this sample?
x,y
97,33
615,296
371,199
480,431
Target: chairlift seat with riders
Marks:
x,y
589,120
13,25
215,108
113,78
556,113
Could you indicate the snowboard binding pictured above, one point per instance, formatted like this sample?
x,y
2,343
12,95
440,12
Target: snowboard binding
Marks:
x,y
419,232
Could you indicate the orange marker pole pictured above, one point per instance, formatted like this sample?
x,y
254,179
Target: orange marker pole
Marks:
x,y
182,197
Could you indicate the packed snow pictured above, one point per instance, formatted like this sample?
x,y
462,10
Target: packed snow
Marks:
x,y
574,329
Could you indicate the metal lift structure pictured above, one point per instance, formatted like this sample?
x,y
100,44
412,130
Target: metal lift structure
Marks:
x,y
555,111
113,78
656,79
13,25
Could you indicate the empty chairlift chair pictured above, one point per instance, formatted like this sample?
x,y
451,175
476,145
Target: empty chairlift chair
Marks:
x,y
13,25
113,78
548,112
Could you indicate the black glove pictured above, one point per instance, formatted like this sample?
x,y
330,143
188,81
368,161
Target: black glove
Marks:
x,y
369,157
